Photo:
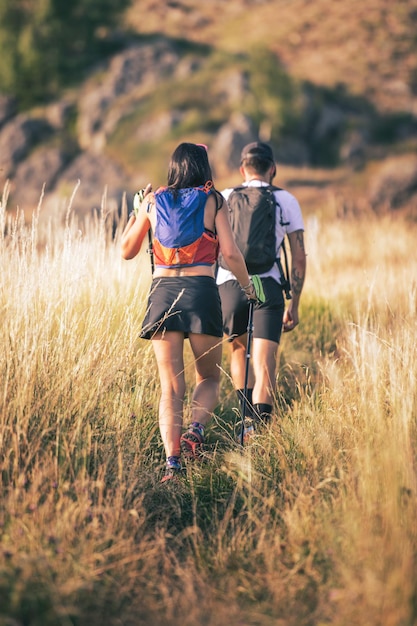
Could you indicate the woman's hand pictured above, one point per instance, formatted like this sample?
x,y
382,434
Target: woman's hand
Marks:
x,y
138,224
139,198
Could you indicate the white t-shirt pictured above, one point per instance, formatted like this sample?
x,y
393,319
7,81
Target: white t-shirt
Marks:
x,y
291,213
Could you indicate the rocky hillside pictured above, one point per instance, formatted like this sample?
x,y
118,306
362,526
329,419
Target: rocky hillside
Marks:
x,y
369,47
333,86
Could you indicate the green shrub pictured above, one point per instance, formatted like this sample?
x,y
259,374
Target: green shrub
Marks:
x,y
45,44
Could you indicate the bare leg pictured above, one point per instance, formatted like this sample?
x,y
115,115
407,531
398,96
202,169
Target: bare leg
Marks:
x,y
168,348
264,354
207,352
238,363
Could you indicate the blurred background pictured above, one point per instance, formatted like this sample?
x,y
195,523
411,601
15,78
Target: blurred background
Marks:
x,y
102,92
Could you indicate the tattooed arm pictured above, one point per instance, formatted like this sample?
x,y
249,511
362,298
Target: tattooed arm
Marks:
x,y
298,271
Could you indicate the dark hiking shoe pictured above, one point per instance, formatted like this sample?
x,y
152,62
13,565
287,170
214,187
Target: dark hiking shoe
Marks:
x,y
264,419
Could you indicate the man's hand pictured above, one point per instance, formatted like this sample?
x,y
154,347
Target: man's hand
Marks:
x,y
290,320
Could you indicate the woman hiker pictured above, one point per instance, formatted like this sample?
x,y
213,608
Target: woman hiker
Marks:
x,y
184,301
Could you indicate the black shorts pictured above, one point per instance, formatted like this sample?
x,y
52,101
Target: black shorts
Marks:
x,y
267,317
189,304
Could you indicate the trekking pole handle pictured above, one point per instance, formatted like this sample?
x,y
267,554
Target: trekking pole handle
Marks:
x,y
254,290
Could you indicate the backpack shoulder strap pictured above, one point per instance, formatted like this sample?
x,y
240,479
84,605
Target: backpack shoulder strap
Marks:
x,y
285,275
218,199
281,219
285,281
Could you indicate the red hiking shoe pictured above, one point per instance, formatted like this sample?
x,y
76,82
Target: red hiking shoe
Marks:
x,y
192,441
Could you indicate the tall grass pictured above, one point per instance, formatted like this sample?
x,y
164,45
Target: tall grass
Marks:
x,y
313,524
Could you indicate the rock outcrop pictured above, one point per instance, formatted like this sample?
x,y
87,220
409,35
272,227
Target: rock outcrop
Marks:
x,y
67,144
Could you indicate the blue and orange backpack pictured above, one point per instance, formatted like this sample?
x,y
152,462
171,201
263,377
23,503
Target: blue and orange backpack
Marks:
x,y
180,239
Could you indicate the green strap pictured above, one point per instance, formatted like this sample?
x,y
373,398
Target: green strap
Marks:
x,y
258,287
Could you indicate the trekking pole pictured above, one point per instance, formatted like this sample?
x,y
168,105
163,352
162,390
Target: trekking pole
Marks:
x,y
150,251
247,356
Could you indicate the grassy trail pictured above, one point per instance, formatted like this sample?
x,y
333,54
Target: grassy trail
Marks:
x,y
313,524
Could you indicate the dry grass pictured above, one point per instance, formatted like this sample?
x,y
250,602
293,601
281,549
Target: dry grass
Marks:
x,y
313,524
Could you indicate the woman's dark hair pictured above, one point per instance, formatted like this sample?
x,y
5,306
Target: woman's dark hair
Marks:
x,y
188,167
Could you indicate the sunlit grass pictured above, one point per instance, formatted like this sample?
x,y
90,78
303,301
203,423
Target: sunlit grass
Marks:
x,y
313,523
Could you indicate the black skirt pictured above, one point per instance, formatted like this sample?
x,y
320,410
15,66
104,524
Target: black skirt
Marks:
x,y
188,304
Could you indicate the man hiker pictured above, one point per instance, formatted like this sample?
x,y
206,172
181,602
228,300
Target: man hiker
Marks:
x,y
271,317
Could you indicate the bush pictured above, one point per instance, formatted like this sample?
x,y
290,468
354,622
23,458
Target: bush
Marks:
x,y
46,42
